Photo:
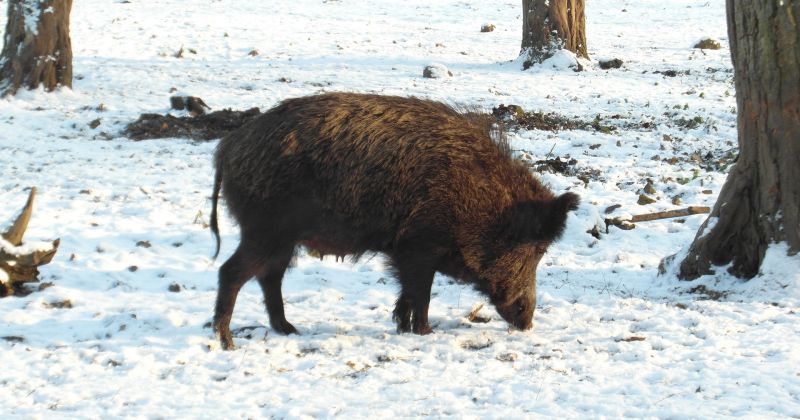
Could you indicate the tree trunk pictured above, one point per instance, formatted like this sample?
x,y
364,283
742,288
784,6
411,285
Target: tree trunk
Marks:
x,y
759,203
37,49
551,25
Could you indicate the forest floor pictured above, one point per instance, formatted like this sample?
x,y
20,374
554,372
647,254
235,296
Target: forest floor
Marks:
x,y
123,330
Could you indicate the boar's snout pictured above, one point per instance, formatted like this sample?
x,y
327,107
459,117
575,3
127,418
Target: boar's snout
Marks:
x,y
519,314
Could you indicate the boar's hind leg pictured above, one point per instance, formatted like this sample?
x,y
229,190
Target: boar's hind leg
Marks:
x,y
233,274
416,279
270,281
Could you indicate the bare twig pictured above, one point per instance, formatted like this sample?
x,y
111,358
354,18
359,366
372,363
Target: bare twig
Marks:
x,y
550,153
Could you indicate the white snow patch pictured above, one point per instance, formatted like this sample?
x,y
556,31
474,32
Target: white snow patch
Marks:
x,y
709,226
779,275
561,60
26,248
31,12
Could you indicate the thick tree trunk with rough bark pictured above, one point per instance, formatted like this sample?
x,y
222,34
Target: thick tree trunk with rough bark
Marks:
x,y
551,25
760,201
37,49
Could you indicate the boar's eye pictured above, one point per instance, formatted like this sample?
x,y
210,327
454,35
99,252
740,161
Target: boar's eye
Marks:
x,y
520,308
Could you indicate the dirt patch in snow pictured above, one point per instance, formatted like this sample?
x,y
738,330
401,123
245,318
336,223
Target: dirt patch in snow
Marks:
x,y
209,126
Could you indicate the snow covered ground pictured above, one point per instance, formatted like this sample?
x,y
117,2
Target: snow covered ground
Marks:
x,y
611,337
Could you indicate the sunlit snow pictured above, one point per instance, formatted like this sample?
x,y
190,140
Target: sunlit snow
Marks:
x,y
611,338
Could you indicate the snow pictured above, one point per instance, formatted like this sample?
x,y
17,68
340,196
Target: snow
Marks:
x,y
28,247
561,60
31,11
611,338
710,223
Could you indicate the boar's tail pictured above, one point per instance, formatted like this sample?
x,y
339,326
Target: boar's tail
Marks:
x,y
214,199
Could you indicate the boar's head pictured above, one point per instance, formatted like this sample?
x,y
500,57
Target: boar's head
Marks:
x,y
508,272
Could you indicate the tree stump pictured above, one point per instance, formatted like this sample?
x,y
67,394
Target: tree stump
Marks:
x,y
19,263
39,52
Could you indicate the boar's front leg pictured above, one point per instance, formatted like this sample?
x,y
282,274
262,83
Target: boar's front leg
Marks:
x,y
270,282
411,309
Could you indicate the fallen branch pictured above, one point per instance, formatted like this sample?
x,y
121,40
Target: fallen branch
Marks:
x,y
628,224
18,261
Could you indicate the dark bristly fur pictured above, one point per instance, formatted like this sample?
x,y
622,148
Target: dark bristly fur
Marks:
x,y
414,179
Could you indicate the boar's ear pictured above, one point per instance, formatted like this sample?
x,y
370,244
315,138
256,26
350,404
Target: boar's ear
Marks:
x,y
543,220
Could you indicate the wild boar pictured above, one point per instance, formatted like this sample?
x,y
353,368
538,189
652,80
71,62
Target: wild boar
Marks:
x,y
414,179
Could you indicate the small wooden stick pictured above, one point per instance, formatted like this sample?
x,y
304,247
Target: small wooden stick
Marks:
x,y
473,314
628,224
670,213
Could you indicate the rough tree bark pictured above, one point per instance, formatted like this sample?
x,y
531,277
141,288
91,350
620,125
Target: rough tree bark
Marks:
x,y
37,49
551,25
760,201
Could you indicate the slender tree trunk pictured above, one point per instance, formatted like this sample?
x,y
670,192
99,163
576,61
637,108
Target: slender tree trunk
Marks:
x,y
551,25
37,49
760,201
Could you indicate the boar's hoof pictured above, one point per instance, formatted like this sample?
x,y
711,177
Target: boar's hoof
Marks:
x,y
402,315
403,322
284,327
223,334
423,329
226,341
